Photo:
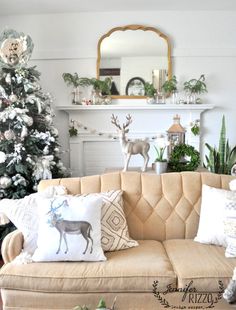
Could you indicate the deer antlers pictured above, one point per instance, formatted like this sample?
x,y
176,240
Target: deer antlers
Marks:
x,y
115,121
54,209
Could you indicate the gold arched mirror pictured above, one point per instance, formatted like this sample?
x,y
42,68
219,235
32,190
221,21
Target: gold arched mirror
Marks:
x,y
132,55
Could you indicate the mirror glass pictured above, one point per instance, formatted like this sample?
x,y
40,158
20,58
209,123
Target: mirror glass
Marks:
x,y
133,55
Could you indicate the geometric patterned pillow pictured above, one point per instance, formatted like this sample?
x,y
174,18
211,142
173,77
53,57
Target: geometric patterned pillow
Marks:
x,y
230,227
115,233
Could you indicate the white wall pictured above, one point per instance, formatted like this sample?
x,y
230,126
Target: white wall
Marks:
x,y
202,42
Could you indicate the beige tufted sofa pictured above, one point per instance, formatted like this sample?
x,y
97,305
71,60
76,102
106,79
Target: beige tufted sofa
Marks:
x,y
163,214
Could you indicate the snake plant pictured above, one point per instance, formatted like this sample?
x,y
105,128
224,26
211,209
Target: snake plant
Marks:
x,y
222,159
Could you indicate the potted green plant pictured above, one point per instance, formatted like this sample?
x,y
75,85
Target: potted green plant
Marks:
x,y
170,88
220,160
150,92
160,163
75,81
102,90
195,87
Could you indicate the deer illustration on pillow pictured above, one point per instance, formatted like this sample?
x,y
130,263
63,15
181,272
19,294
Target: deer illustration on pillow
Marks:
x,y
65,227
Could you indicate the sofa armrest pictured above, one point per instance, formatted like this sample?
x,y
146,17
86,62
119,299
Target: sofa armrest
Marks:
x,y
12,245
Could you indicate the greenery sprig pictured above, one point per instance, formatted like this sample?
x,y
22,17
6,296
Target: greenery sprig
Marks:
x,y
75,80
104,87
195,128
150,90
170,85
196,86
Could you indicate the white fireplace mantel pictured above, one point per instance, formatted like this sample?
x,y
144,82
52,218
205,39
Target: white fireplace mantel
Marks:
x,y
92,151
135,107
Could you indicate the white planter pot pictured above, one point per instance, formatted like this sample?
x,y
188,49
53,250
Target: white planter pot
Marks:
x,y
160,167
151,100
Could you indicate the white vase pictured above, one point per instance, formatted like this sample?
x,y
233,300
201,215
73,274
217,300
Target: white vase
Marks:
x,y
160,167
174,97
76,96
150,100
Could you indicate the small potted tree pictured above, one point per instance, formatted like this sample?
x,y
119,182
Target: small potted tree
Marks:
x,y
150,92
75,81
195,87
170,88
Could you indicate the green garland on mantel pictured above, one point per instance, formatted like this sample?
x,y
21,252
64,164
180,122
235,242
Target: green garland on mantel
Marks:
x,y
179,152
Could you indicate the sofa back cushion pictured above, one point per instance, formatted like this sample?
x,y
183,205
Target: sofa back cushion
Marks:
x,y
157,207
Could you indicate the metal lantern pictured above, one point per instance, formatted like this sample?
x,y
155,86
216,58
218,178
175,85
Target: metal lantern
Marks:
x,y
176,134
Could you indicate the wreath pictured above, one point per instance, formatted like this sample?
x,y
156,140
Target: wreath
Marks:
x,y
178,160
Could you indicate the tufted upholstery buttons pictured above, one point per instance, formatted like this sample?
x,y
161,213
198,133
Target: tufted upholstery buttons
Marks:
x,y
157,207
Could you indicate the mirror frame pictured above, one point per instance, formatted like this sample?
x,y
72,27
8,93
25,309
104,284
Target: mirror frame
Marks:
x,y
133,27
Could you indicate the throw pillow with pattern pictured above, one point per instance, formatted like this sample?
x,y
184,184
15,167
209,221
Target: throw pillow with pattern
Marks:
x,y
115,232
230,227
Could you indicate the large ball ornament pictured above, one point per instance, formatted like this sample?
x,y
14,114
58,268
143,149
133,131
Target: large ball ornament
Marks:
x,y
15,48
5,182
9,135
13,98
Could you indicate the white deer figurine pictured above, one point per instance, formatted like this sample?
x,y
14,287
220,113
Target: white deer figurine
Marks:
x,y
131,147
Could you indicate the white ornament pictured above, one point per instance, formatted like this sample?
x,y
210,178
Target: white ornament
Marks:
x,y
5,182
19,78
42,168
12,114
46,150
3,157
0,103
49,119
19,180
59,164
54,131
9,134
24,132
29,159
8,78
3,92
27,119
13,98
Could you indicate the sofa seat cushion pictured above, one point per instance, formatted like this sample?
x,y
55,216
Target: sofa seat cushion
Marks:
x,y
205,264
129,270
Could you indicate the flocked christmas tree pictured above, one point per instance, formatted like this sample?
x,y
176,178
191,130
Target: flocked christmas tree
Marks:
x,y
29,149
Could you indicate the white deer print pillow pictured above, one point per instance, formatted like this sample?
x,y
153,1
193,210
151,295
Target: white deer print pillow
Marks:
x,y
69,229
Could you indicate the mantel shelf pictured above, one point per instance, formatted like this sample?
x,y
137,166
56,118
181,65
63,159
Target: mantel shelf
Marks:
x,y
147,107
